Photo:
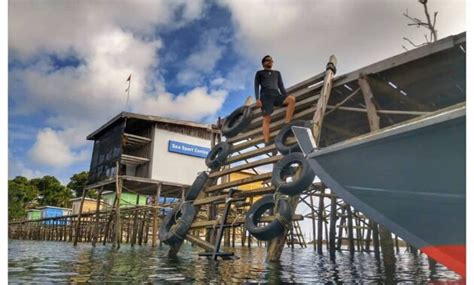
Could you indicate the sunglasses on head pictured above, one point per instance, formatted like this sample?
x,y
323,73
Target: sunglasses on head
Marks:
x,y
268,59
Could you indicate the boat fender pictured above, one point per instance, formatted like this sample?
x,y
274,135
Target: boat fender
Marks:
x,y
217,156
285,133
274,228
300,181
197,186
177,223
237,121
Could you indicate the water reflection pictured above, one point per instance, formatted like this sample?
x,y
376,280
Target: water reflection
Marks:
x,y
49,262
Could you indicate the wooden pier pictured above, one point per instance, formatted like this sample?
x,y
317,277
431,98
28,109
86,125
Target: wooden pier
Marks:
x,y
339,108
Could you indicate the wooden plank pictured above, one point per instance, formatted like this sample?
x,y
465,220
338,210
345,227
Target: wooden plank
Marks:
x,y
238,222
199,242
277,114
374,119
136,138
246,166
238,182
208,200
250,154
274,129
240,194
306,83
379,111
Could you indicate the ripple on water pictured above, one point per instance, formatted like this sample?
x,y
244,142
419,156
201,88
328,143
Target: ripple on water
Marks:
x,y
49,262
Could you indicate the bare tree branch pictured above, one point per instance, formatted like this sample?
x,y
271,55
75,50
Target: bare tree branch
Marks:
x,y
428,25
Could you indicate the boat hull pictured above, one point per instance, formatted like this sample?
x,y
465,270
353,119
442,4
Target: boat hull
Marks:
x,y
410,179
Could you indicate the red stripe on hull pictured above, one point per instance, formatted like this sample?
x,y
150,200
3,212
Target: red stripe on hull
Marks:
x,y
452,256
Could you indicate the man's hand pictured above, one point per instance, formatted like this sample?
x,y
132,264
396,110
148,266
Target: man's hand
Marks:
x,y
258,104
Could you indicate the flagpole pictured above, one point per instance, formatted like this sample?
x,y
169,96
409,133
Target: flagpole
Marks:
x,y
128,91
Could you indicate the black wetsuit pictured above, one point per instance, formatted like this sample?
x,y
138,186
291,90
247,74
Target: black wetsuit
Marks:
x,y
273,91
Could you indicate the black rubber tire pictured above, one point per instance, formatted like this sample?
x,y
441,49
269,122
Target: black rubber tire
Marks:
x,y
282,169
286,132
276,227
217,156
197,186
176,224
237,121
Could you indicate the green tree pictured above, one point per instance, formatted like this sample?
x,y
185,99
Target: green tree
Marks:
x,y
52,192
78,182
21,195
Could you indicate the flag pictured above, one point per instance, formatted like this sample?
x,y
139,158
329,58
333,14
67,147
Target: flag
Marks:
x,y
129,77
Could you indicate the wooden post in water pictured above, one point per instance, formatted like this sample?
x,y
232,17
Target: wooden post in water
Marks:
x,y
109,221
368,237
350,229
341,227
118,221
97,217
135,223
313,220
374,122
397,247
78,225
332,228
156,201
320,221
276,245
375,234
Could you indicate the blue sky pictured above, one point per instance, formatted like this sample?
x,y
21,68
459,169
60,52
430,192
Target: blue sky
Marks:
x,y
193,60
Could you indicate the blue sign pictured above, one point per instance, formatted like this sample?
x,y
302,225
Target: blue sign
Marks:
x,y
188,149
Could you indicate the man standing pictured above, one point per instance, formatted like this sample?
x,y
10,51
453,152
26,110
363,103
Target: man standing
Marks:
x,y
272,93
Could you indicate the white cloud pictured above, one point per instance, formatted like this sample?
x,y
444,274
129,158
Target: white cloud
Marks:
x,y
51,149
109,41
301,35
196,104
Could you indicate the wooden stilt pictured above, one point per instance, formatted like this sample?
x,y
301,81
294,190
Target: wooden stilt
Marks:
x,y
313,220
135,224
320,222
156,201
332,229
118,221
78,225
350,229
97,217
375,234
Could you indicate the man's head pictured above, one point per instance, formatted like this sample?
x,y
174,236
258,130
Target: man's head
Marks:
x,y
267,62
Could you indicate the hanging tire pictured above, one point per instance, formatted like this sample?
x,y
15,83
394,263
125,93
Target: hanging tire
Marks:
x,y
217,156
285,133
237,121
196,187
283,169
276,227
176,224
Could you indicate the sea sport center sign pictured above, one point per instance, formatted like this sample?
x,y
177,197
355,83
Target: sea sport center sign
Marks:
x,y
188,149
